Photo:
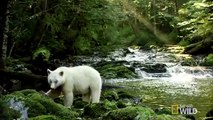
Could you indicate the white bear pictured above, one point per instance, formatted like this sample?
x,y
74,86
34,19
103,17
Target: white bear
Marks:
x,y
83,80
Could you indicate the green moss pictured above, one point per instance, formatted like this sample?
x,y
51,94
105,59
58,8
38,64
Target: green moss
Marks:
x,y
54,108
163,111
39,104
94,110
170,117
209,60
189,62
79,104
124,94
111,70
110,105
41,53
110,95
130,113
121,104
45,117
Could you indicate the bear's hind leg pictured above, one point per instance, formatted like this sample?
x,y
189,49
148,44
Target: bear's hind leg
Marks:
x,y
68,99
95,94
86,97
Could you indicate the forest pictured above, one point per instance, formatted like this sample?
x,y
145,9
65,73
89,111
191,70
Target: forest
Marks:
x,y
36,35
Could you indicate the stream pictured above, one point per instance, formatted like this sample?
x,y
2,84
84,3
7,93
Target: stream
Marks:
x,y
177,85
173,83
169,80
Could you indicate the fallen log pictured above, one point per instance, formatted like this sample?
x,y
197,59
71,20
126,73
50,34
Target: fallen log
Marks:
x,y
28,80
200,47
32,81
22,76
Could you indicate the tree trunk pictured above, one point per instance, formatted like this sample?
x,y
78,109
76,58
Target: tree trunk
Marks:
x,y
4,28
154,13
28,80
40,28
176,6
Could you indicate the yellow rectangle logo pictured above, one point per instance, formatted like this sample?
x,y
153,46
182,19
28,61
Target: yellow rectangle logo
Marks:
x,y
175,109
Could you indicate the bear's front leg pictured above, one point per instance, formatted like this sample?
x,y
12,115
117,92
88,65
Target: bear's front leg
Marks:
x,y
68,99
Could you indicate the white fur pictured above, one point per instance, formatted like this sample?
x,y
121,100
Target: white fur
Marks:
x,y
83,80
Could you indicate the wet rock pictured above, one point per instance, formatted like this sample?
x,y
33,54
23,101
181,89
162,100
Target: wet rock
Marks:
x,y
155,68
7,113
38,104
130,113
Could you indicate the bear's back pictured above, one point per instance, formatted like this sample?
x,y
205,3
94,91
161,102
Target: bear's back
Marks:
x,y
82,73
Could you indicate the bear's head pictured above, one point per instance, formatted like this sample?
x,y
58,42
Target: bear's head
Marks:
x,y
55,78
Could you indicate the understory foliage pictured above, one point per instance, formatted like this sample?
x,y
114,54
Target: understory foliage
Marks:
x,y
195,21
70,27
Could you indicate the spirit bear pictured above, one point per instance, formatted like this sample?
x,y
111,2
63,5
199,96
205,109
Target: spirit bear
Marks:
x,y
83,80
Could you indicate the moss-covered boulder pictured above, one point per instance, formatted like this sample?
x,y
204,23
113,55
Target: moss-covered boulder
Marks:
x,y
130,113
112,70
37,104
209,60
155,68
163,110
189,62
110,95
7,113
170,117
45,117
96,110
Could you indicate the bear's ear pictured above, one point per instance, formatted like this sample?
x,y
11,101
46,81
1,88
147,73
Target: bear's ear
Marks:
x,y
61,73
48,71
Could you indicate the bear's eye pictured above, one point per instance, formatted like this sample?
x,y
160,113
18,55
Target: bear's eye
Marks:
x,y
56,82
61,73
50,81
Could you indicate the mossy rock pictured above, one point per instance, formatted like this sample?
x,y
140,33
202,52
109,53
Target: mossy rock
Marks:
x,y
209,60
170,117
39,104
96,110
189,62
79,103
163,110
111,70
121,104
155,68
45,117
130,113
124,94
7,113
110,95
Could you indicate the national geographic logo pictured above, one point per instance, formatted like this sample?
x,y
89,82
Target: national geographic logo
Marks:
x,y
184,109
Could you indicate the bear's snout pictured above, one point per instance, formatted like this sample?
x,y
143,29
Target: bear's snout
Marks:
x,y
53,86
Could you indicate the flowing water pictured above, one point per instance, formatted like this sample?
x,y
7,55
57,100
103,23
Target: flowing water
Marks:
x,y
176,85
